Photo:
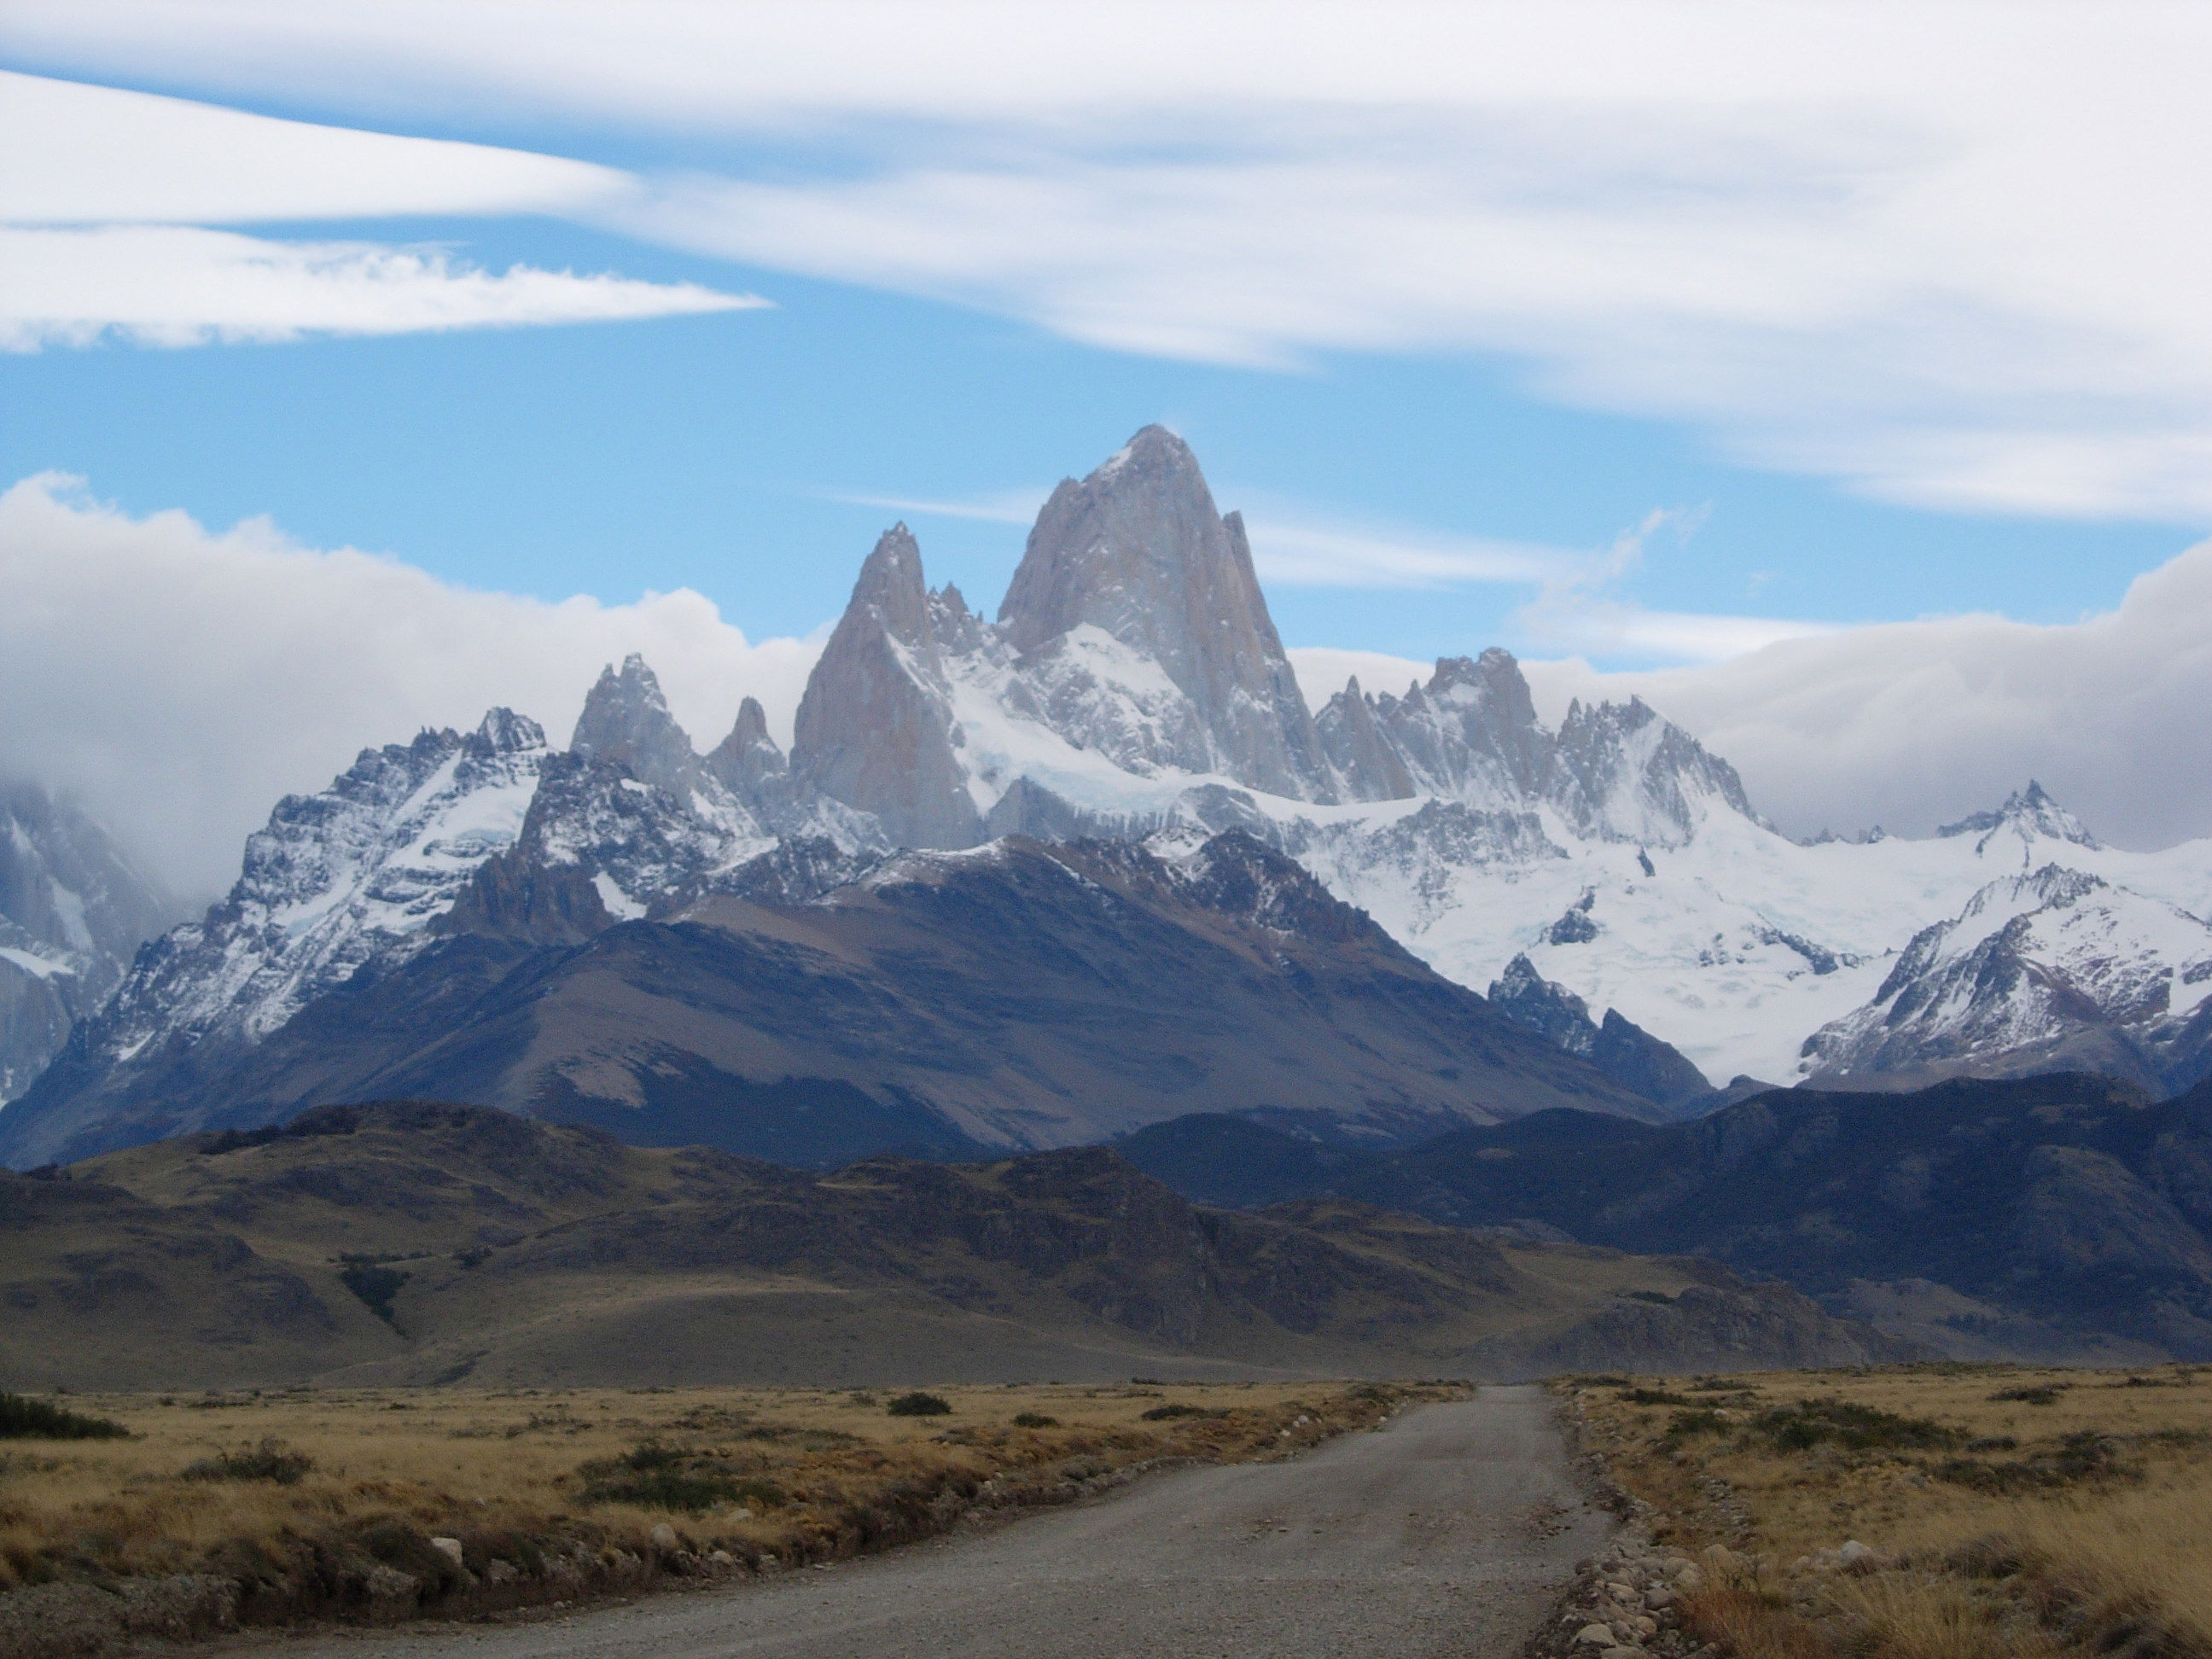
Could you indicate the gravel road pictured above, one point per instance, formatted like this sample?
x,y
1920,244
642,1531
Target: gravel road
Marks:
x,y
1443,1534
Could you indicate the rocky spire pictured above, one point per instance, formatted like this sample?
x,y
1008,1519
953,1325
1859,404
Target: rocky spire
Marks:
x,y
626,720
2029,813
875,728
1367,767
748,757
1139,550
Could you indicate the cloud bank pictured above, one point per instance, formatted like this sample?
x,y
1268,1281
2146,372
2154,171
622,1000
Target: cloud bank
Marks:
x,y
179,680
1911,725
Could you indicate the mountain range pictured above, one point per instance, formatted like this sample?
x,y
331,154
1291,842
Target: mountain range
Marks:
x,y
913,929
2061,1217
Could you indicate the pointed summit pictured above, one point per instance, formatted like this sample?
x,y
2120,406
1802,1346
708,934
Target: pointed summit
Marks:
x,y
748,757
2029,813
626,720
1139,550
875,728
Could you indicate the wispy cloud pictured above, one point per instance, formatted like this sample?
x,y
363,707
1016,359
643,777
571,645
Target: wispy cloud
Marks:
x,y
998,506
1306,553
107,205
1578,608
169,285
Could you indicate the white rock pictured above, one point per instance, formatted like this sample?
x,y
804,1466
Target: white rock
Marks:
x,y
1594,1636
663,1537
448,1547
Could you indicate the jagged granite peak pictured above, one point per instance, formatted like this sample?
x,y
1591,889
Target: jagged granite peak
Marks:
x,y
749,757
73,910
1623,1050
626,721
875,728
1368,766
1471,733
349,879
1139,550
1621,772
2029,813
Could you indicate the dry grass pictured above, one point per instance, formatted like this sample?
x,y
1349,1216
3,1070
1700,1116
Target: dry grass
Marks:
x,y
773,1478
2011,1510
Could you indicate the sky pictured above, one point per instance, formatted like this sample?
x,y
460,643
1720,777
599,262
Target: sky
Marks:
x,y
1789,364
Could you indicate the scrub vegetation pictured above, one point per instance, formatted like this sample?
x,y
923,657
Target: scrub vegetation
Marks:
x,y
374,1504
1938,1511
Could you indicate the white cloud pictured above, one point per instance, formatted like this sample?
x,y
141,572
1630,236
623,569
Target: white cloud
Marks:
x,y
1949,252
1911,725
180,680
109,194
173,285
1300,551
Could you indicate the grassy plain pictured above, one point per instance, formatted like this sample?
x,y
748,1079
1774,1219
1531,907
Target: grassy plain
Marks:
x,y
311,1502
2009,1511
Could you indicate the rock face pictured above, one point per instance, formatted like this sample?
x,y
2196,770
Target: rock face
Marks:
x,y
72,913
876,728
1620,1048
1138,551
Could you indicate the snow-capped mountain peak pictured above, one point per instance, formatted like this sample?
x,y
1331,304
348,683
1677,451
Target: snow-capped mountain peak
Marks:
x,y
2028,815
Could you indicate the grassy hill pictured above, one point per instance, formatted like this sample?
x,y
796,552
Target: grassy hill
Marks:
x,y
420,1242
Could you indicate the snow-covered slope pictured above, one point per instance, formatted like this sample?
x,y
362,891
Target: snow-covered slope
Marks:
x,y
72,911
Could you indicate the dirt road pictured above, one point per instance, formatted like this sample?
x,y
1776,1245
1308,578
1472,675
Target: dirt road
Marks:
x,y
1442,1534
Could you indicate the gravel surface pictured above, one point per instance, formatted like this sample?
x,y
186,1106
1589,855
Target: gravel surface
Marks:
x,y
1446,1533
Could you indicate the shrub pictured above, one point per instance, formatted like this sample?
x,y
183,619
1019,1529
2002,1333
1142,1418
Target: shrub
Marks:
x,y
1683,1425
2080,1457
2043,1394
373,1283
1162,1413
269,1460
1855,1428
22,1417
919,1404
1653,1397
653,1476
1035,1420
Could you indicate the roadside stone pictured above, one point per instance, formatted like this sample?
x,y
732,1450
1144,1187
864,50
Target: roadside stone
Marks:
x,y
1594,1636
390,1584
663,1537
497,1571
448,1547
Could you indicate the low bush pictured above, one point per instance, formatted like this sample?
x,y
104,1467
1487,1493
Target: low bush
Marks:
x,y
1655,1397
269,1461
1683,1425
1165,1413
2078,1458
1855,1428
653,1476
1035,1420
919,1404
22,1417
2043,1394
